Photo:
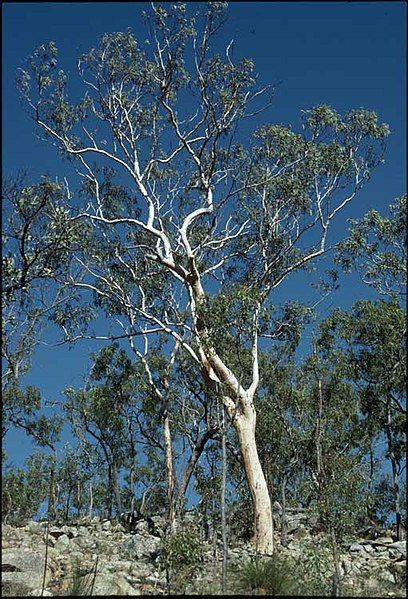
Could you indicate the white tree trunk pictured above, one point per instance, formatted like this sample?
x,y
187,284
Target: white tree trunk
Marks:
x,y
169,469
244,425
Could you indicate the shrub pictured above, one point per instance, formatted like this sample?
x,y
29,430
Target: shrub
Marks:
x,y
182,548
273,576
180,555
314,570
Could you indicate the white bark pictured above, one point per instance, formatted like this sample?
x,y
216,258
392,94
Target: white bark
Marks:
x,y
244,425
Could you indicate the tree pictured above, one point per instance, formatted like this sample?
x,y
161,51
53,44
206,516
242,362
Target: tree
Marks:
x,y
201,228
373,337
370,345
36,239
24,490
377,248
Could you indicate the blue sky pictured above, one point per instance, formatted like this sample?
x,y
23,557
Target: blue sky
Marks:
x,y
345,54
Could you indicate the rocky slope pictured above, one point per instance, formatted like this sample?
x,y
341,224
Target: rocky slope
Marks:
x,y
129,563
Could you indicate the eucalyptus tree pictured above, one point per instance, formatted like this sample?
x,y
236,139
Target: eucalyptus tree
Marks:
x,y
195,216
371,339
370,345
334,456
377,248
37,237
99,411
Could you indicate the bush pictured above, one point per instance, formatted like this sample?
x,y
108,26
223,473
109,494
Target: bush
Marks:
x,y
180,555
181,549
314,570
273,576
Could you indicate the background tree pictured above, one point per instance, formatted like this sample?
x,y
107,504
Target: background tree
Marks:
x,y
370,343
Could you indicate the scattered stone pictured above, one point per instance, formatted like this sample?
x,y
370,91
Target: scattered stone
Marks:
x,y
129,562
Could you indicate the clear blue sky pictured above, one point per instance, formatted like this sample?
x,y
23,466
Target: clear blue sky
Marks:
x,y
345,54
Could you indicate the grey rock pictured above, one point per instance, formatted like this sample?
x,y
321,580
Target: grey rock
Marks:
x,y
85,543
107,525
399,571
138,546
382,541
108,583
142,528
22,572
399,547
356,548
70,531
34,527
62,543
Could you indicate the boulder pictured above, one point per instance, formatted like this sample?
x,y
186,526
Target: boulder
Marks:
x,y
399,571
113,583
62,543
107,525
399,547
138,546
22,572
356,548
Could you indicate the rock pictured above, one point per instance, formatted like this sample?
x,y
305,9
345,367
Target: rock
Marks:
x,y
138,546
36,527
141,527
86,543
107,583
159,523
57,532
382,541
107,525
62,543
356,548
398,547
22,572
386,576
399,571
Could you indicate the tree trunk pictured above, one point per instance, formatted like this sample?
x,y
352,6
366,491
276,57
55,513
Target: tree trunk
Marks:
x,y
67,504
168,445
116,490
223,506
394,468
189,469
244,425
336,591
284,526
78,498
51,496
90,498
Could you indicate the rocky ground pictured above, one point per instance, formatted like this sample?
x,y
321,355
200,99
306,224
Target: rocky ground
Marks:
x,y
129,563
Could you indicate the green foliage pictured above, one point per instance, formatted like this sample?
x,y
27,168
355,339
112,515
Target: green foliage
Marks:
x,y
377,248
181,548
313,569
273,577
24,489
